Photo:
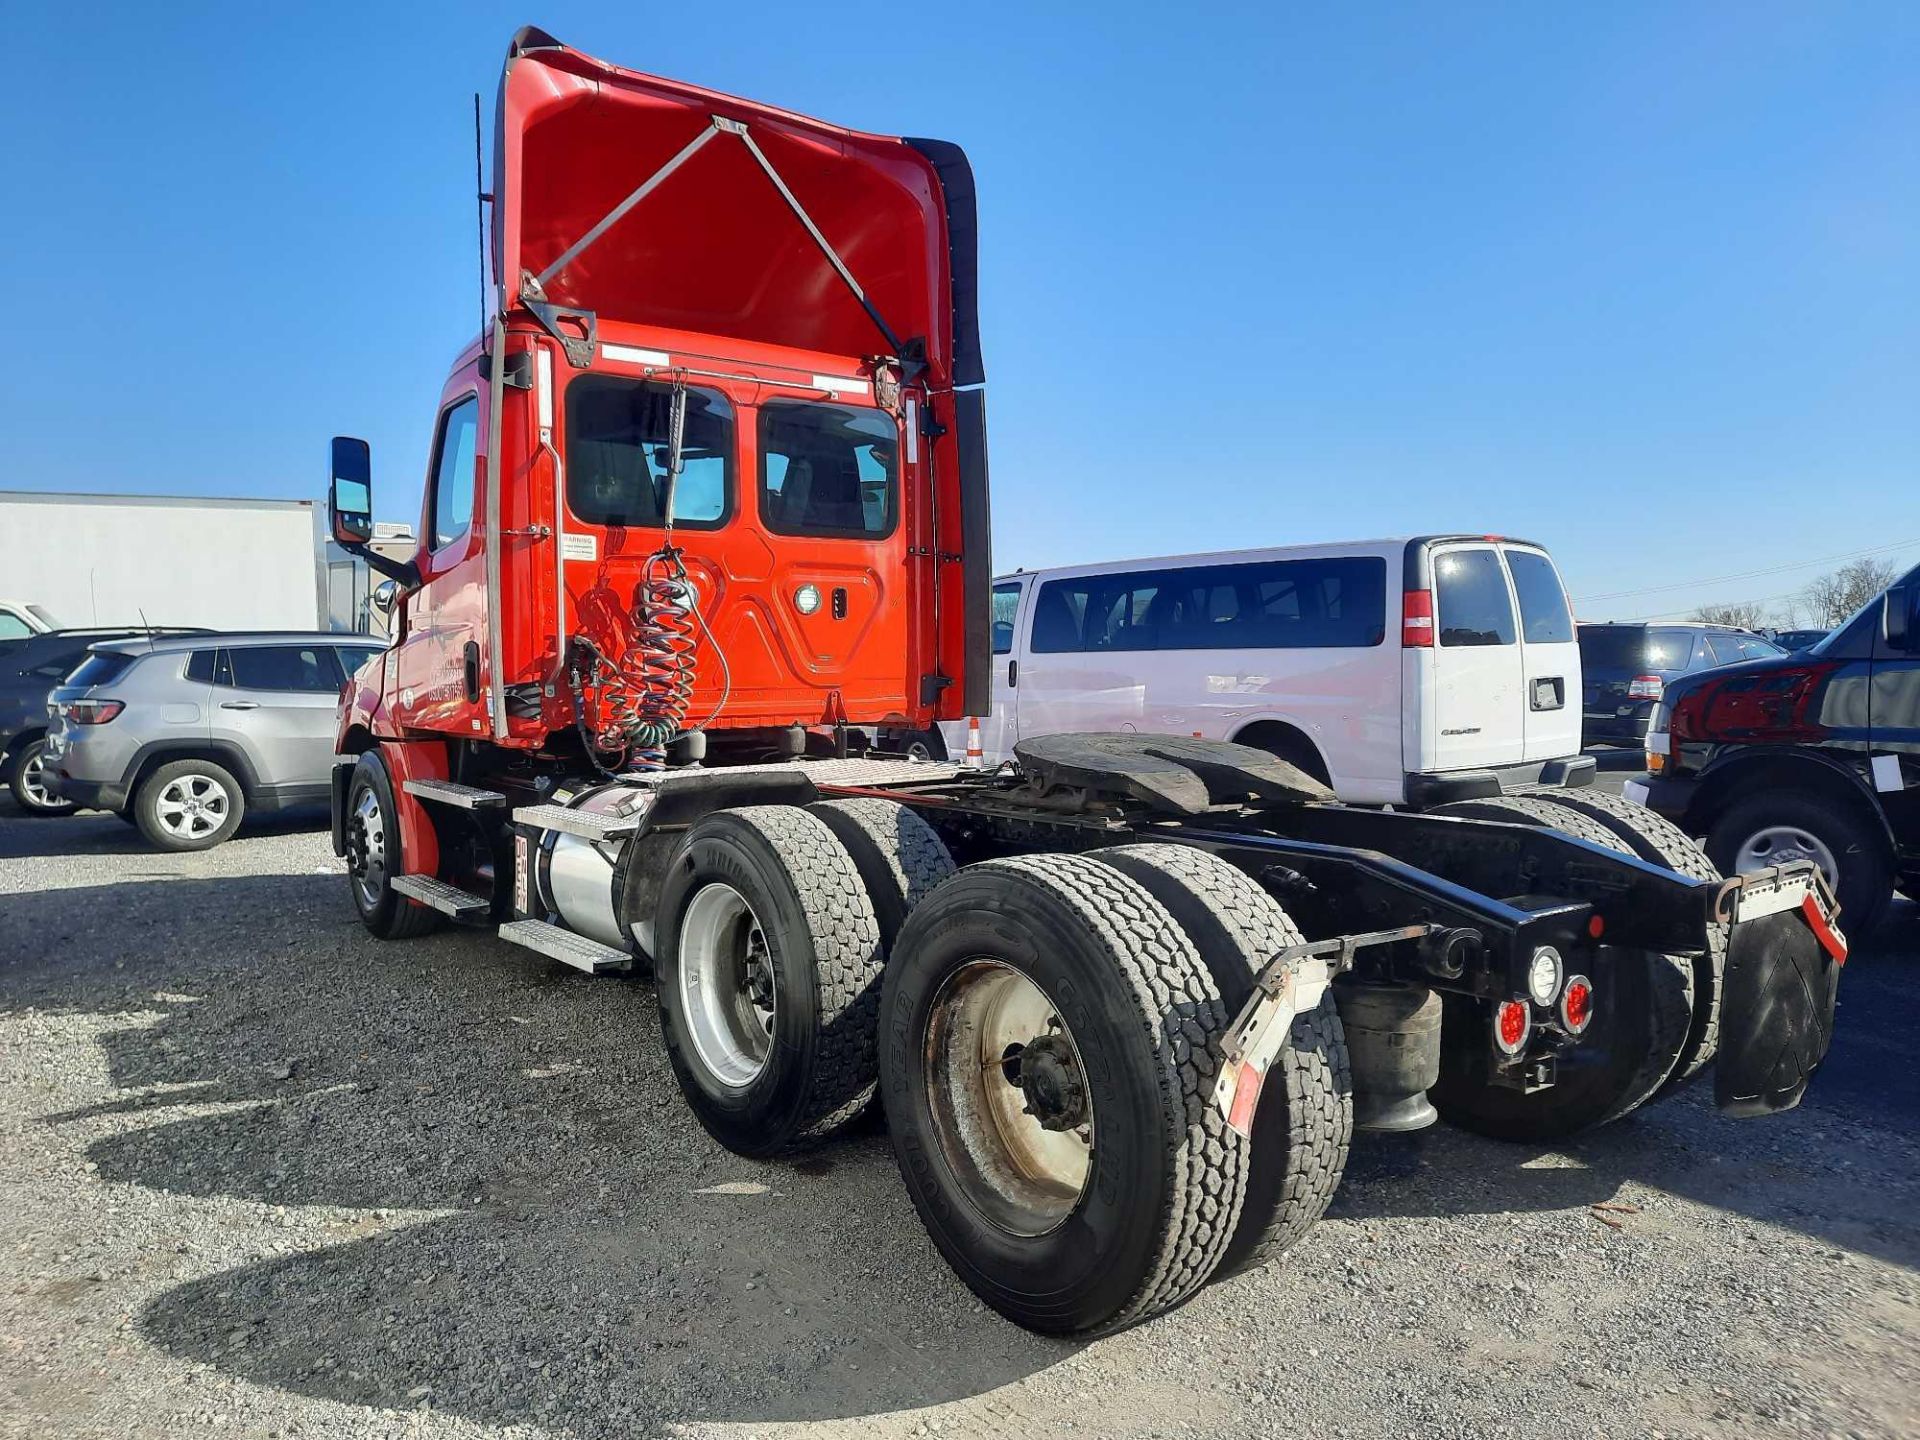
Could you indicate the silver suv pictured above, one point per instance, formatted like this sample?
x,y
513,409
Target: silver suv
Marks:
x,y
184,734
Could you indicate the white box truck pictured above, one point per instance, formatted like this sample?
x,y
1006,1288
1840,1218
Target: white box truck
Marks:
x,y
224,564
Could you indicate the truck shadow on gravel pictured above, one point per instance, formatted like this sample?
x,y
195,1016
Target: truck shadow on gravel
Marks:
x,y
491,1187
511,1205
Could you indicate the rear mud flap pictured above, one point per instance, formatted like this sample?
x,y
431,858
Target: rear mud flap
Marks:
x,y
1776,1020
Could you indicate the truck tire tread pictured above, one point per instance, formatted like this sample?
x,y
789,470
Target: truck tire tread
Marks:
x,y
1304,1126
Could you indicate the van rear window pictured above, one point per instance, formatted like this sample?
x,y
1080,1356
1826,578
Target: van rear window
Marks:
x,y
1320,604
1471,593
1544,619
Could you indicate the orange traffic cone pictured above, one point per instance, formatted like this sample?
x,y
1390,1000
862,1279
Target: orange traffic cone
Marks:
x,y
976,757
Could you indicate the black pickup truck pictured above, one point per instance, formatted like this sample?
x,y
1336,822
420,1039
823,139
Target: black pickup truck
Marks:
x,y
1813,755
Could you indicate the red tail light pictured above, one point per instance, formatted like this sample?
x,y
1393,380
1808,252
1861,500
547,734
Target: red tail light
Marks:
x,y
1416,618
92,712
1512,1023
1782,705
1576,1004
1645,687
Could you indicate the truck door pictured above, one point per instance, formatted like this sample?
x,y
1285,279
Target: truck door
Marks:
x,y
1478,694
436,662
1549,657
998,729
275,704
1894,715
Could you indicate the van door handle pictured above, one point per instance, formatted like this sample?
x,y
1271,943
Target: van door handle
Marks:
x,y
1013,673
239,704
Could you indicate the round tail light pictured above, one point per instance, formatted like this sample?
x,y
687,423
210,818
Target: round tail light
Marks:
x,y
1512,1024
1576,1004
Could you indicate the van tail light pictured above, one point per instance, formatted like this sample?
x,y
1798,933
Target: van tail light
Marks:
x,y
92,712
1416,618
1645,687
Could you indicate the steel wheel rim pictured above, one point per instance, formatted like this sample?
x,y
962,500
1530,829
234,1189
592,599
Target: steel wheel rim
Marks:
x,y
367,848
729,990
1780,844
192,806
1023,1175
33,783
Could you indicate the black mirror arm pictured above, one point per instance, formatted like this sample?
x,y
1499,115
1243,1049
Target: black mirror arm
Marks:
x,y
405,573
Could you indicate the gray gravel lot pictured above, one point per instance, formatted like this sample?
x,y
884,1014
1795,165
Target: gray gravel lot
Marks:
x,y
264,1176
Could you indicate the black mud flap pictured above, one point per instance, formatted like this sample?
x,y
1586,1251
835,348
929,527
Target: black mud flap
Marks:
x,y
1776,1020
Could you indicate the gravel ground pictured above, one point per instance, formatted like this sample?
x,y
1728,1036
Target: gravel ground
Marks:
x,y
264,1176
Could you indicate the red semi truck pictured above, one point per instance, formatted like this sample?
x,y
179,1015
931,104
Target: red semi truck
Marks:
x,y
705,544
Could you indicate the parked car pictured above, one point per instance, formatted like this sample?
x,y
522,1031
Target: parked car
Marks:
x,y
19,620
1792,640
185,734
1813,755
1404,672
1627,666
30,666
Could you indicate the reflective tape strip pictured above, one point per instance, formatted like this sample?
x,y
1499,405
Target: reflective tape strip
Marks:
x,y
633,355
842,385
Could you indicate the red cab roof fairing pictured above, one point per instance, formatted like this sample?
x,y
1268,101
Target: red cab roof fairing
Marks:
x,y
714,246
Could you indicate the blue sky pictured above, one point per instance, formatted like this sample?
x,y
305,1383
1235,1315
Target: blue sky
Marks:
x,y
1641,281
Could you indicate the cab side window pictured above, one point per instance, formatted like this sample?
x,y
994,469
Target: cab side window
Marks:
x,y
453,472
1006,606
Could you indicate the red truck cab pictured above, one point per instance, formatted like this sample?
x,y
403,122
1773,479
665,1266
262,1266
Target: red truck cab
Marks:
x,y
797,301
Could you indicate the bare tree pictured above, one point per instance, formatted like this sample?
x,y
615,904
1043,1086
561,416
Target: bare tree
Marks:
x,y
1747,614
1835,596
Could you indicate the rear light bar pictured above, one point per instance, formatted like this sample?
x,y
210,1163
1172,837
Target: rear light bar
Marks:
x,y
91,712
1645,687
1416,619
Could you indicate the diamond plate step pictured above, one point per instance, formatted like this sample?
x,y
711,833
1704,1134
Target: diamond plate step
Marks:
x,y
446,792
565,946
447,899
584,823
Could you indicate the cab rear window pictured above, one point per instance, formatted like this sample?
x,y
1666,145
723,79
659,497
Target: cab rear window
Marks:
x,y
619,431
828,469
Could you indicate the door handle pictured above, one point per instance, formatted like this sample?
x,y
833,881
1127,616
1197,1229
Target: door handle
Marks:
x,y
1013,674
239,705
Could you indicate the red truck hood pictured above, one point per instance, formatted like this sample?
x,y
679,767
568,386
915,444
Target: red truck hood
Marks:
x,y
714,247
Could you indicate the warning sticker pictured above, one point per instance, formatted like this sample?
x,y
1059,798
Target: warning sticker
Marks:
x,y
579,547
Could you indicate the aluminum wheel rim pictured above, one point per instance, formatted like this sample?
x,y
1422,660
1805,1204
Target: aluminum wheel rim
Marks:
x,y
729,991
192,806
33,783
1780,844
367,848
1021,1175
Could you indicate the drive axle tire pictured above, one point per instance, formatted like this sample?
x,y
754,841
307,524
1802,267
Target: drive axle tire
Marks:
x,y
374,858
1642,1014
1304,1123
768,971
1656,839
28,782
1051,1042
189,805
898,855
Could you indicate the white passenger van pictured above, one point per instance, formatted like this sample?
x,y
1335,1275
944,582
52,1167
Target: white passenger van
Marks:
x,y
1402,672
